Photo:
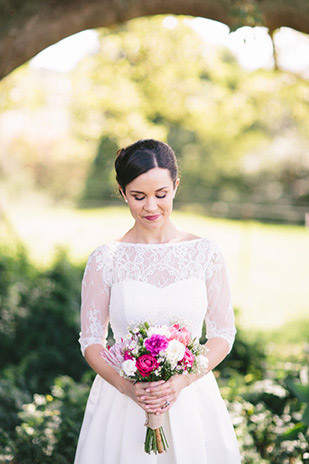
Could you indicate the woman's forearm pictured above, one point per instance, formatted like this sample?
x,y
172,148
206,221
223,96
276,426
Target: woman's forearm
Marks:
x,y
218,349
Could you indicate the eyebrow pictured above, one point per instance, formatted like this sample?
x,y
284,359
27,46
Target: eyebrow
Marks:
x,y
138,191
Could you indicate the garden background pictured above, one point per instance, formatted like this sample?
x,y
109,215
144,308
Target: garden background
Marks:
x,y
241,136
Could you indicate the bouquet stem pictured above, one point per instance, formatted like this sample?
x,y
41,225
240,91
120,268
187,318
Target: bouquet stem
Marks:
x,y
159,441
155,439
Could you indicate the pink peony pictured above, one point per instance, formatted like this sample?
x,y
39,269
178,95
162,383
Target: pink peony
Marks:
x,y
188,358
146,364
156,343
179,333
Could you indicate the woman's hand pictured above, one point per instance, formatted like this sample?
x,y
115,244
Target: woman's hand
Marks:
x,y
138,393
157,397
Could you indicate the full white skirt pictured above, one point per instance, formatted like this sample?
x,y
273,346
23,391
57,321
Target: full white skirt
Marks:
x,y
197,427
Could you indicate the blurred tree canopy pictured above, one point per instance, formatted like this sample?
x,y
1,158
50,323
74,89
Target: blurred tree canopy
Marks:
x,y
241,137
27,27
237,134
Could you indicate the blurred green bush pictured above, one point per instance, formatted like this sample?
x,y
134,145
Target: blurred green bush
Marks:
x,y
39,321
48,427
268,419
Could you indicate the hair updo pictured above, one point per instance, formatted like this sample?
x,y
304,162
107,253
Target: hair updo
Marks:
x,y
140,157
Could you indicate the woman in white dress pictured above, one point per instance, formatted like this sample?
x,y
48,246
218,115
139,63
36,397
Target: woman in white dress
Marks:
x,y
159,273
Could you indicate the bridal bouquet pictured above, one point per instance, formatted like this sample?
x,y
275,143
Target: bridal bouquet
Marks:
x,y
150,353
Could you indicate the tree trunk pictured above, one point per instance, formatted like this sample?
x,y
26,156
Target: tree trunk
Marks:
x,y
30,26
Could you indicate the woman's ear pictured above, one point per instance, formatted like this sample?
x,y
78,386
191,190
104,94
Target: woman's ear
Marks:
x,y
123,194
176,186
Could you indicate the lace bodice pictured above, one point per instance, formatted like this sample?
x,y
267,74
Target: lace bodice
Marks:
x,y
128,283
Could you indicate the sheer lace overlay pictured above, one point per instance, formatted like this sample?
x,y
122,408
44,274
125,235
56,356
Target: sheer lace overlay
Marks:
x,y
127,283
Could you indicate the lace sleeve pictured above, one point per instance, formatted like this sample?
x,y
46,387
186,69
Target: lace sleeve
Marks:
x,y
220,316
95,300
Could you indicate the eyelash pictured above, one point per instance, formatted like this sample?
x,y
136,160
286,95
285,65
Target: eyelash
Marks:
x,y
140,199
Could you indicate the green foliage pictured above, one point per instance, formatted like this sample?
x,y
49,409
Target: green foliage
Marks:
x,y
246,13
11,400
247,358
293,332
301,391
266,415
100,182
39,321
49,425
225,125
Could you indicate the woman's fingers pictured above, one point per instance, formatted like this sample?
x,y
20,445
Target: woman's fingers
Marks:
x,y
144,394
158,391
151,409
155,401
158,397
153,384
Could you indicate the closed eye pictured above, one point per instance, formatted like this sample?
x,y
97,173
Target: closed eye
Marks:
x,y
142,198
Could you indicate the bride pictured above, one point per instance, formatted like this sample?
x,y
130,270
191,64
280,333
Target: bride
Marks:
x,y
155,272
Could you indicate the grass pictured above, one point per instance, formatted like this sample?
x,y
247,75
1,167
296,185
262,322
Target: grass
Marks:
x,y
268,264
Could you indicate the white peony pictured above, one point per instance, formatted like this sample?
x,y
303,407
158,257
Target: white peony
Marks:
x,y
129,367
201,362
158,330
175,351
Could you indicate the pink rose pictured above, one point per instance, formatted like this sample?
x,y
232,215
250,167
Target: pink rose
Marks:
x,y
156,343
181,334
188,358
146,364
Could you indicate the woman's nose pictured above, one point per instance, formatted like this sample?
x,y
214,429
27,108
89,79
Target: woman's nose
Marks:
x,y
151,204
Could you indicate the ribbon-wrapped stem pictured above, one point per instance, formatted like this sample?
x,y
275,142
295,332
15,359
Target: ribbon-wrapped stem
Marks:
x,y
155,438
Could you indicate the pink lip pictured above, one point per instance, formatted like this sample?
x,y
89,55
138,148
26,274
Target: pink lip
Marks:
x,y
152,218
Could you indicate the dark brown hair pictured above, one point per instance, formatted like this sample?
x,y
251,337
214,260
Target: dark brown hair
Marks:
x,y
140,157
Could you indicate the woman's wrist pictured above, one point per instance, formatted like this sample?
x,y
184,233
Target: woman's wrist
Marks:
x,y
123,385
193,377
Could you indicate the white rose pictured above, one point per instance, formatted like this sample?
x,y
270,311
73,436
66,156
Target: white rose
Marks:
x,y
175,351
201,362
129,367
158,330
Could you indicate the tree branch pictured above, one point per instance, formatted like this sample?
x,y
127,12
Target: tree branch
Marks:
x,y
30,26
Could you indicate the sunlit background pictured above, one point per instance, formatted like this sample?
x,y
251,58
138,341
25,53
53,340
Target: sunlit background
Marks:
x,y
235,108
239,128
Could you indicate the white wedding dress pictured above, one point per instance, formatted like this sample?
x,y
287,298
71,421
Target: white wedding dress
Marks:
x,y
128,283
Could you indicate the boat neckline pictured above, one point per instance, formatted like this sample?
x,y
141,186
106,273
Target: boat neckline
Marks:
x,y
183,242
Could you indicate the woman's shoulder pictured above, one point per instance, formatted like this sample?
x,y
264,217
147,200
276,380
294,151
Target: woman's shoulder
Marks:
x,y
100,253
204,241
188,236
108,249
199,240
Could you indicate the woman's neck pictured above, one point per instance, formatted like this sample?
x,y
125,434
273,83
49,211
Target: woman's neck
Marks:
x,y
141,235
